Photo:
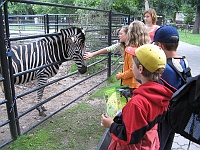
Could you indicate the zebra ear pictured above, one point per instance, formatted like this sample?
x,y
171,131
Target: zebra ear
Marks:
x,y
82,30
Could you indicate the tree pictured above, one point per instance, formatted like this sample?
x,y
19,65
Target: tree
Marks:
x,y
197,20
169,7
40,9
125,6
188,12
19,8
87,3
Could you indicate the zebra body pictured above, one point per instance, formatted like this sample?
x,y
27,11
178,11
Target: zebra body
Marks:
x,y
70,43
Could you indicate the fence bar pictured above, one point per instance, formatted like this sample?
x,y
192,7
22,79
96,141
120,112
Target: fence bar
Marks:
x,y
57,5
109,42
6,82
13,107
6,61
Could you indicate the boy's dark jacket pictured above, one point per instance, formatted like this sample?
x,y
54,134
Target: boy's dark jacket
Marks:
x,y
147,107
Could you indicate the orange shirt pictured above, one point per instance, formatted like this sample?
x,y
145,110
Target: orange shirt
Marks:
x,y
127,76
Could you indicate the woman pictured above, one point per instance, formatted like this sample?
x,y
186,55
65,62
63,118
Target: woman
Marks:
x,y
150,19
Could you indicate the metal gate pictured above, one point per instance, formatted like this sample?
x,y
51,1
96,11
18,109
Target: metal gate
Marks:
x,y
17,29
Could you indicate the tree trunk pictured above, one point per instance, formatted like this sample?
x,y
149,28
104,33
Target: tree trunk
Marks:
x,y
197,21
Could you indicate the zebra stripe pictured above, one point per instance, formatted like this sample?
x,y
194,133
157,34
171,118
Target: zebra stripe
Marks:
x,y
70,43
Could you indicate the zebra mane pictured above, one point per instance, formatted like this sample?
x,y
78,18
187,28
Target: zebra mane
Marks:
x,y
71,33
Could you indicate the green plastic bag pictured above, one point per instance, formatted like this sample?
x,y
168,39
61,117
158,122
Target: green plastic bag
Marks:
x,y
115,100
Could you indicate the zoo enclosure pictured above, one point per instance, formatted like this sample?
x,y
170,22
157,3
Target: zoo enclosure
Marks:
x,y
22,29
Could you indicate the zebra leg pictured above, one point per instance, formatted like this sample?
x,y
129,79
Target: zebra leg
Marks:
x,y
41,108
41,81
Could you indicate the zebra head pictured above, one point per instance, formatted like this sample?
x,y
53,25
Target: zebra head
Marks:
x,y
74,39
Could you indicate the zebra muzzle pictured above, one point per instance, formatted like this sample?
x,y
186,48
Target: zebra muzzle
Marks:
x,y
83,70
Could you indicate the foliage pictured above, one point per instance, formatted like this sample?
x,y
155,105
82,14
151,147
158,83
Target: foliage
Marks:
x,y
40,9
166,8
188,12
127,7
87,3
123,6
20,8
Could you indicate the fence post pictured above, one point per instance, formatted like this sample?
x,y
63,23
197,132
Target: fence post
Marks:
x,y
129,19
109,42
6,81
56,22
45,28
46,23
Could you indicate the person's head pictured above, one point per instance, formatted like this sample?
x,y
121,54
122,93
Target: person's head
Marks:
x,y
149,62
150,16
137,34
122,34
167,38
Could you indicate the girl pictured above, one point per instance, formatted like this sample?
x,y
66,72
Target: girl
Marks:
x,y
136,36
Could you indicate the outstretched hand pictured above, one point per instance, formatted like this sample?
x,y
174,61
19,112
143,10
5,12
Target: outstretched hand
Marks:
x,y
87,55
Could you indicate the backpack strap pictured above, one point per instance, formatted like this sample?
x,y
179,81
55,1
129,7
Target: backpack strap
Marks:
x,y
163,82
183,73
197,92
187,70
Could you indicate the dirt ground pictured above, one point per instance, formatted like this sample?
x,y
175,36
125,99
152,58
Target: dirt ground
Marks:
x,y
28,101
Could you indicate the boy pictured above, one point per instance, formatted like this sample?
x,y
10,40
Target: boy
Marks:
x,y
167,38
136,127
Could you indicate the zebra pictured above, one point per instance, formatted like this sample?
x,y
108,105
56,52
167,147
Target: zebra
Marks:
x,y
70,43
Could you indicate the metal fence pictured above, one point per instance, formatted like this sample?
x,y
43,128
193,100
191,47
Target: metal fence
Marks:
x,y
16,104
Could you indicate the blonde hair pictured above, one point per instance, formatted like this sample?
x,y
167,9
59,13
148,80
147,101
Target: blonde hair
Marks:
x,y
153,14
137,34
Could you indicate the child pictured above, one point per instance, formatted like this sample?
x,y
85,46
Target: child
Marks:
x,y
115,47
137,36
167,38
136,127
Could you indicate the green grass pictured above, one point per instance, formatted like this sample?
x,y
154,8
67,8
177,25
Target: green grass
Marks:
x,y
188,37
112,82
76,128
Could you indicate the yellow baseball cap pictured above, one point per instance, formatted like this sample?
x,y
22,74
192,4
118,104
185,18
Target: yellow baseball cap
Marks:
x,y
150,56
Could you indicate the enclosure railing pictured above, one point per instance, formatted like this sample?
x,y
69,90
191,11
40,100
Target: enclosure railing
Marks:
x,y
23,29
